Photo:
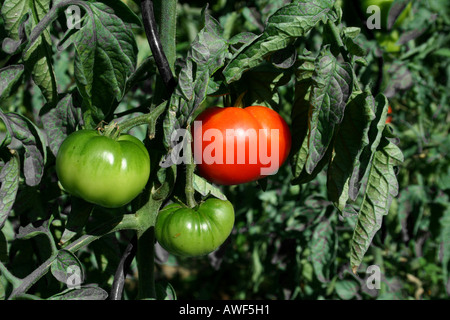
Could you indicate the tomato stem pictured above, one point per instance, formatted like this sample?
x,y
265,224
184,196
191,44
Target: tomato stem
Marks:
x,y
239,103
114,130
16,282
190,168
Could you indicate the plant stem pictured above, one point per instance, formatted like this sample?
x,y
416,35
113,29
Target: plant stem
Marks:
x,y
9,276
145,254
146,263
122,268
125,222
32,278
190,168
166,18
160,49
128,221
149,118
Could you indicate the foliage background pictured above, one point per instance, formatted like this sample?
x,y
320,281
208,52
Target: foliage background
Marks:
x,y
289,242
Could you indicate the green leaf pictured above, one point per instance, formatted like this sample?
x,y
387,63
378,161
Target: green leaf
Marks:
x,y
12,12
323,249
33,141
122,10
106,54
354,48
205,56
300,118
347,289
9,180
37,57
9,76
444,238
61,120
33,229
282,29
205,188
80,212
83,293
382,187
331,88
261,83
165,291
67,268
353,137
379,105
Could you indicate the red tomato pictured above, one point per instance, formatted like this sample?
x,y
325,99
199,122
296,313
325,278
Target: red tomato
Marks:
x,y
389,118
238,145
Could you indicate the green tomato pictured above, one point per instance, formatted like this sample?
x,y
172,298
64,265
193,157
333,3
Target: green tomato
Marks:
x,y
102,170
194,231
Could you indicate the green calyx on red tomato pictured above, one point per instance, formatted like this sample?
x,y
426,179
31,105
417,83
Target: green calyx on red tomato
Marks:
x,y
102,170
235,145
197,231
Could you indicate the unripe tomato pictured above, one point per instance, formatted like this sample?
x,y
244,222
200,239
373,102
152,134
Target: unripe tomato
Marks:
x,y
102,170
194,231
237,145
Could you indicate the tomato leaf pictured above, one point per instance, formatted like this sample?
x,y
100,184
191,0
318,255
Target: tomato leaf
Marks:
x,y
37,58
282,29
347,289
32,140
86,292
445,242
261,85
67,268
205,188
300,118
331,88
382,187
165,291
380,106
323,249
80,212
206,55
106,53
61,120
33,229
9,76
9,181
353,137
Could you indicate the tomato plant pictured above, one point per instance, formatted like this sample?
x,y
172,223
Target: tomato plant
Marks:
x,y
293,186
102,170
194,231
247,144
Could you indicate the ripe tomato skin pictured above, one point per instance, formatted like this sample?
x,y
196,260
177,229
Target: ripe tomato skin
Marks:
x,y
197,231
253,117
102,170
389,118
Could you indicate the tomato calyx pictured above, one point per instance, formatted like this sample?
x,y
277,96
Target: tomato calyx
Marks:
x,y
110,130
